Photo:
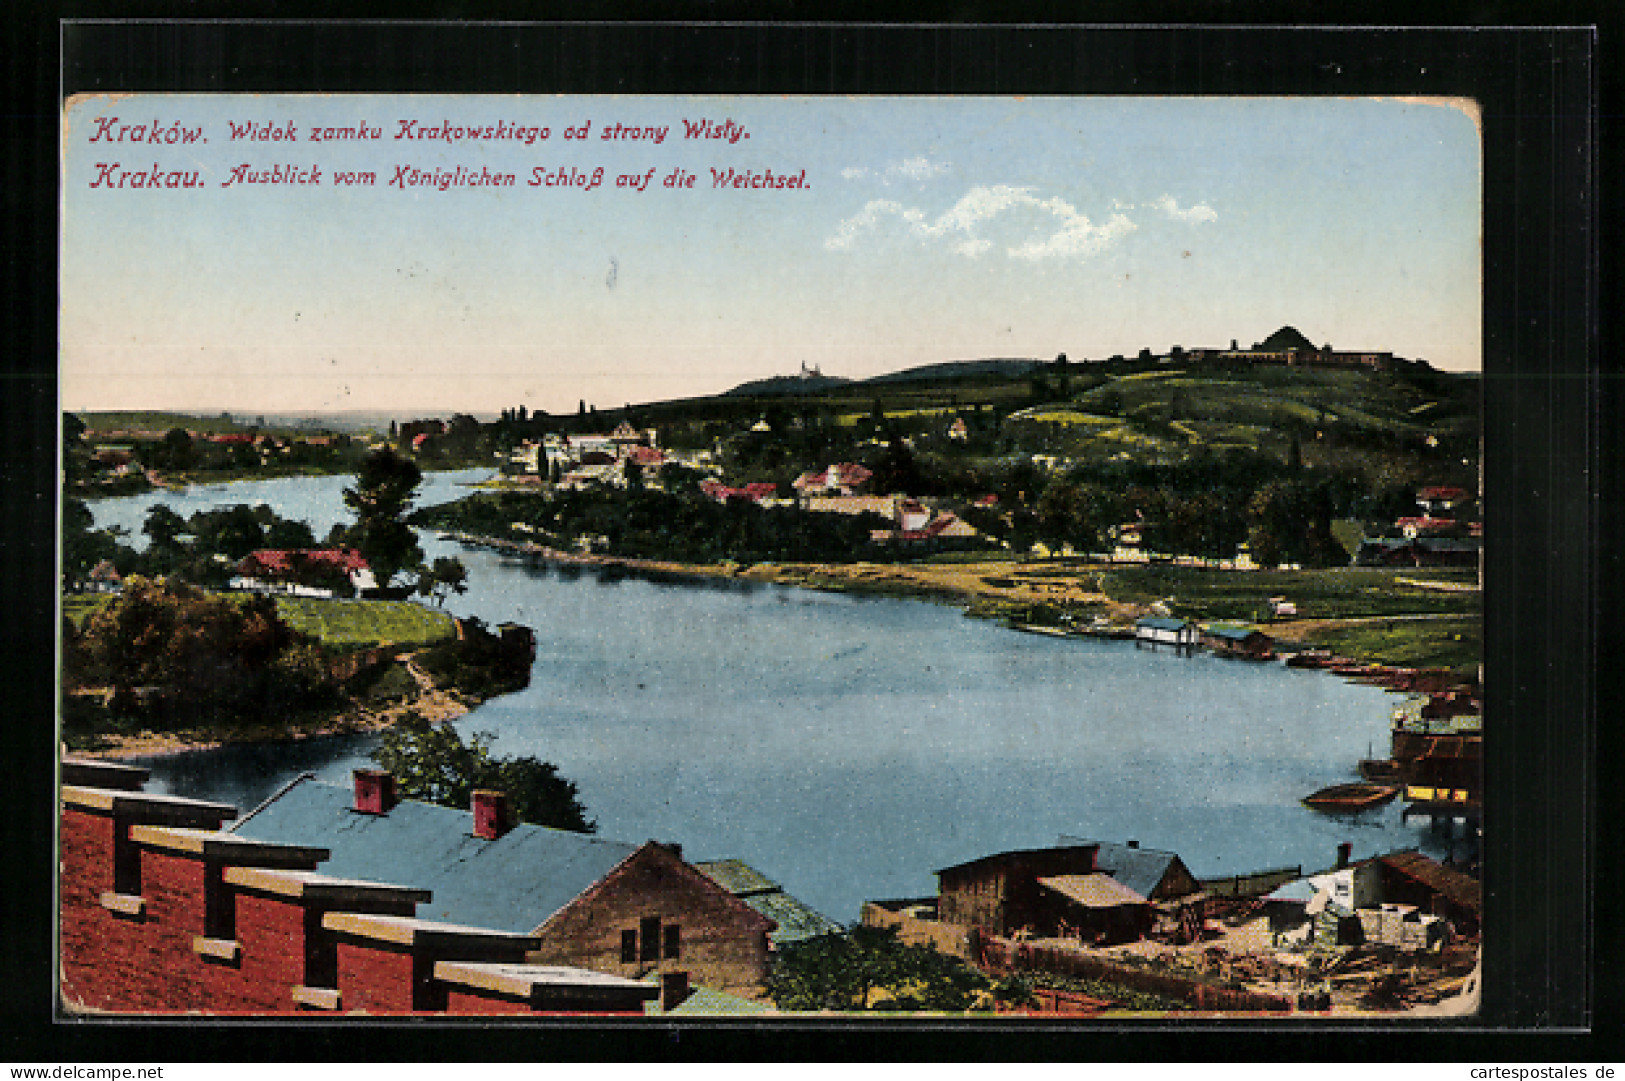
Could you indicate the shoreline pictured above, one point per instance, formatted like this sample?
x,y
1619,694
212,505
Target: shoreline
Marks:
x,y
992,589
999,590
438,704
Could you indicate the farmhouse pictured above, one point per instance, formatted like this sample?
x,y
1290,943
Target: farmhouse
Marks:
x,y
1153,874
1048,891
306,572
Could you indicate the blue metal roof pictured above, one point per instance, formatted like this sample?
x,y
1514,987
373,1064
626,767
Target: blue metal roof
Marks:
x,y
1231,632
514,883
1162,623
1140,869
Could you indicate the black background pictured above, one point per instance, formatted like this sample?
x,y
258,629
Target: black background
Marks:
x,y
1551,412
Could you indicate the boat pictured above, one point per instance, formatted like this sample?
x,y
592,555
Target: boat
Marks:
x,y
1351,797
1381,770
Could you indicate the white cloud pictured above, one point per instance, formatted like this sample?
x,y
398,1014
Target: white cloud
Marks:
x,y
916,169
1199,212
1060,230
1078,237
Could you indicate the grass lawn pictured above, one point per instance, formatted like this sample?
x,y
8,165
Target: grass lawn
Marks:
x,y
339,624
342,624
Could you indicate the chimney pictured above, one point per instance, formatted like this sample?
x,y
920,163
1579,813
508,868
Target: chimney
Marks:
x,y
374,791
492,816
673,990
1344,852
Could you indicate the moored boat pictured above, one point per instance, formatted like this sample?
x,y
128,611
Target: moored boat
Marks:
x,y
1350,797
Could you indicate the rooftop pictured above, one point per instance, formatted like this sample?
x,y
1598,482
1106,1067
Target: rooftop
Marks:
x,y
514,883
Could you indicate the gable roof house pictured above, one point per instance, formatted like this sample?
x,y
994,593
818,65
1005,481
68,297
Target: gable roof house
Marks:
x,y
1152,873
303,571
609,906
846,478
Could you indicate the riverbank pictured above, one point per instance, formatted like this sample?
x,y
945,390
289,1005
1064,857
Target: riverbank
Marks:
x,y
1072,597
430,700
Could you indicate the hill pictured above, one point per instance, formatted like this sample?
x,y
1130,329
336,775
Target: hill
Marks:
x,y
958,369
785,384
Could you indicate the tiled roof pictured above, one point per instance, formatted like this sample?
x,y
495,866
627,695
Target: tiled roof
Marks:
x,y
796,921
514,883
282,560
1451,884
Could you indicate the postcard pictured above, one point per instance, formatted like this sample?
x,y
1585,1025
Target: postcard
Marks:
x,y
791,557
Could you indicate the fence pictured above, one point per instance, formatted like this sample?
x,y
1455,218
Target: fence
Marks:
x,y
1001,956
1251,885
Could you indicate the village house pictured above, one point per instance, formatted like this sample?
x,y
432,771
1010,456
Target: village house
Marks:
x,y
1247,643
1050,892
163,912
841,478
624,909
914,523
1152,873
304,572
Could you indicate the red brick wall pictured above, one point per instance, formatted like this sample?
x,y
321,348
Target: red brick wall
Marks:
x,y
466,1002
271,931
146,964
375,979
723,944
94,971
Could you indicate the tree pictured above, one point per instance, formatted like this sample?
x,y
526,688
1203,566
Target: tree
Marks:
x,y
433,764
381,499
1292,523
163,526
83,546
870,968
447,575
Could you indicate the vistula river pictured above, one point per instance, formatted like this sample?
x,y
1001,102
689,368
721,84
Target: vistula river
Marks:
x,y
849,747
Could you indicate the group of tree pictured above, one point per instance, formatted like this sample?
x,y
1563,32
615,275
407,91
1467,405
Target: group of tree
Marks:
x,y
650,524
195,657
178,452
432,763
871,968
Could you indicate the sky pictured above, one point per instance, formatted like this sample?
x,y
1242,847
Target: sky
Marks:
x,y
926,229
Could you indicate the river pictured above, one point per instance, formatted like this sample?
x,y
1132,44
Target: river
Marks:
x,y
848,747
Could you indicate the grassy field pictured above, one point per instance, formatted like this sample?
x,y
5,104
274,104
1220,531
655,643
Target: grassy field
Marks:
x,y
1338,593
1437,643
338,624
342,624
